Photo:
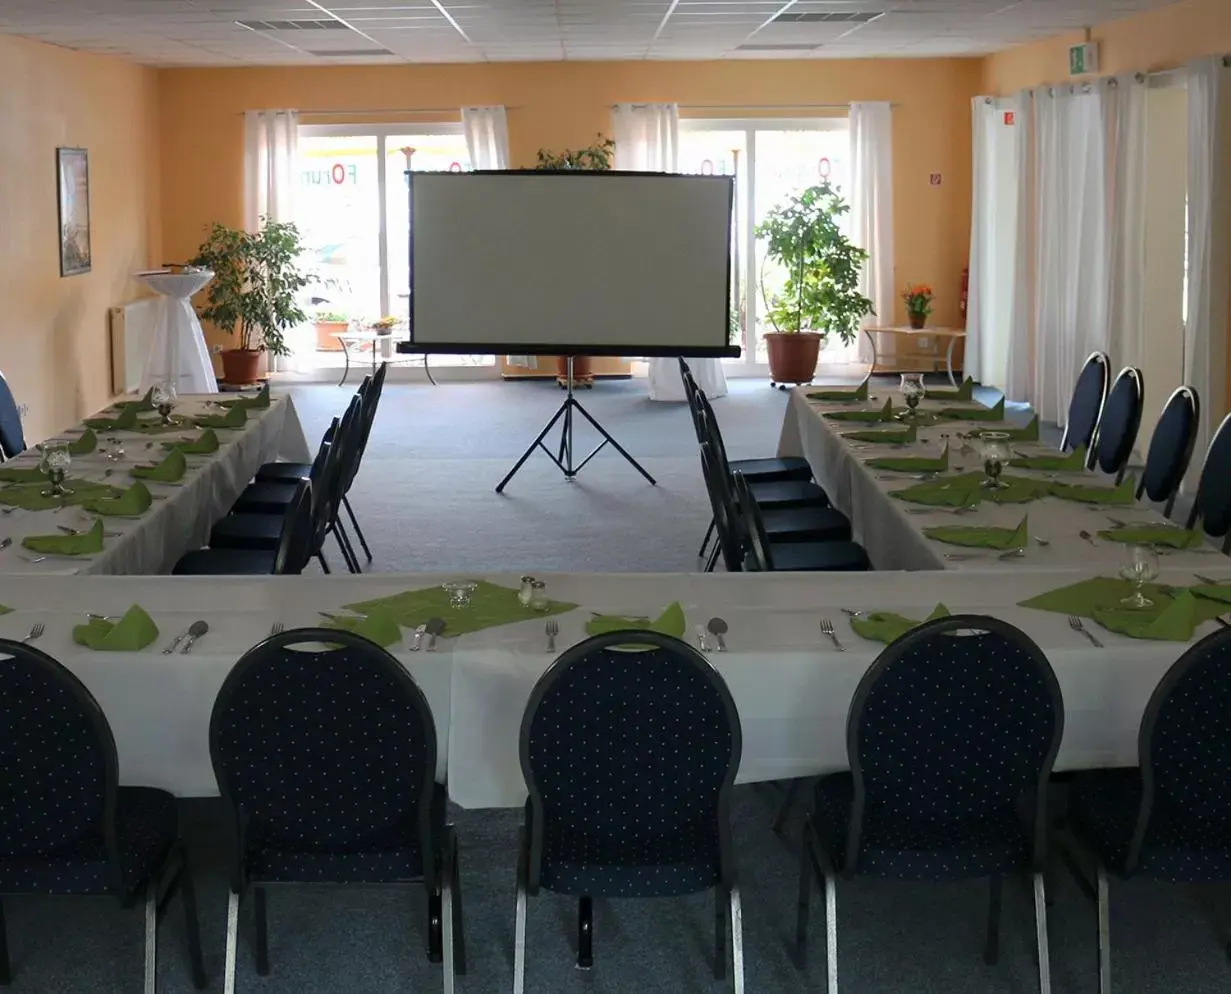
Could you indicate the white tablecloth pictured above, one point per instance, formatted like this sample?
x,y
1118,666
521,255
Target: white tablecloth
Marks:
x,y
792,688
665,382
892,530
183,514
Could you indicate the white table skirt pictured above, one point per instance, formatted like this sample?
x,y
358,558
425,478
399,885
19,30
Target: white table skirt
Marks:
x,y
666,385
792,688
153,542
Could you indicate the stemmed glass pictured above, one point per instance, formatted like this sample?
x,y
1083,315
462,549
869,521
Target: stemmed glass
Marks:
x,y
913,391
459,592
995,455
55,462
163,396
1140,567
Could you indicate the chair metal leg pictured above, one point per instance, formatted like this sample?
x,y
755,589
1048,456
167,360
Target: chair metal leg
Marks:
x,y
151,937
713,559
348,554
228,970
737,942
320,557
446,900
1104,934
1040,926
801,913
358,531
519,919
192,927
831,932
262,931
585,933
459,934
785,808
705,542
991,948
435,930
720,932
6,976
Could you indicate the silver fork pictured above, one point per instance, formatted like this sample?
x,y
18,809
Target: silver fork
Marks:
x,y
552,630
1077,626
827,629
276,628
36,631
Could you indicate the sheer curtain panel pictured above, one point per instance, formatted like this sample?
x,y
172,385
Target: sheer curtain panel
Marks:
x,y
487,137
871,197
1125,108
1019,374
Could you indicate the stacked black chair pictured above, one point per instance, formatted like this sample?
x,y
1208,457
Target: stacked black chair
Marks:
x,y
616,807
762,554
1171,448
325,752
1086,404
66,825
12,438
951,737
293,552
1120,423
1212,506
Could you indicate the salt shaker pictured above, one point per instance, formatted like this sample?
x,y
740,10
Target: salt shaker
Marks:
x,y
538,595
526,594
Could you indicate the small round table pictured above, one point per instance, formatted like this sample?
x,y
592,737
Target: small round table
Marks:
x,y
358,338
952,334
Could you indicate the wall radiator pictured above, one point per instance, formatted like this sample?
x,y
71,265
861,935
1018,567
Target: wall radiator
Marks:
x,y
132,332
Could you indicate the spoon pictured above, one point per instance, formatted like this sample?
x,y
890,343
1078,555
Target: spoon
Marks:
x,y
718,628
420,630
434,627
1088,537
195,631
1042,542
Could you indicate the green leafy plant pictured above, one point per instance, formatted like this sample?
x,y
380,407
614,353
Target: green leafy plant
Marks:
x,y
821,293
330,317
599,156
255,291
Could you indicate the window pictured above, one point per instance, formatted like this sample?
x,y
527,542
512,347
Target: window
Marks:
x,y
770,160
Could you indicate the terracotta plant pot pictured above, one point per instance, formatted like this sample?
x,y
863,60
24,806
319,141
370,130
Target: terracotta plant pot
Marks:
x,y
241,367
583,371
325,330
918,321
792,357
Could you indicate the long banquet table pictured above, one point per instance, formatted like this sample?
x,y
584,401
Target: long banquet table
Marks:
x,y
791,686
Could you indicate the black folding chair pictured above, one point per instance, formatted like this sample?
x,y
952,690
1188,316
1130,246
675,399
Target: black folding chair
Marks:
x,y
324,749
1120,423
12,438
951,737
764,555
616,807
66,825
1171,448
292,554
1212,506
1086,404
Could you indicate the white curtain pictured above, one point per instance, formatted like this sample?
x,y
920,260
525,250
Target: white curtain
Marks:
x,y
1209,217
871,198
271,149
647,137
1019,374
1125,108
487,137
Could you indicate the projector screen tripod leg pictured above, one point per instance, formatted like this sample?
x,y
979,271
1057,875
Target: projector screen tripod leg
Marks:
x,y
537,443
608,440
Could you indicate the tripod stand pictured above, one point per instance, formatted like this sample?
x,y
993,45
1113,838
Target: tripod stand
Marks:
x,y
563,457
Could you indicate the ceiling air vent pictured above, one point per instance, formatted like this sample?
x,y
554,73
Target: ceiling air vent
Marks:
x,y
801,47
828,17
351,53
326,24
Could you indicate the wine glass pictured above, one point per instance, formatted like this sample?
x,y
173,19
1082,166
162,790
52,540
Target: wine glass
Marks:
x,y
163,396
459,592
1140,567
116,450
55,461
995,455
912,391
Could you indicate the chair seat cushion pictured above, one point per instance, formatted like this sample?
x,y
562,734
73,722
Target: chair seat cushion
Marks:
x,y
630,867
291,866
806,524
763,470
1103,809
146,829
265,498
788,493
815,557
921,850
283,472
225,562
247,531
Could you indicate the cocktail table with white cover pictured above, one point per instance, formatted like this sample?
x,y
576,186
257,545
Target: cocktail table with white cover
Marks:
x,y
183,513
178,353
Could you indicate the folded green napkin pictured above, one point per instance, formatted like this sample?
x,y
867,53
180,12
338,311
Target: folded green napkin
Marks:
x,y
670,622
202,445
490,605
170,470
838,396
376,627
909,464
30,497
967,490
1105,594
884,626
974,413
1174,622
884,414
84,445
146,403
154,426
126,419
1028,434
85,544
17,474
965,392
1220,592
5,610
132,503
1124,494
1072,462
886,436
982,538
257,403
1167,535
132,633
235,417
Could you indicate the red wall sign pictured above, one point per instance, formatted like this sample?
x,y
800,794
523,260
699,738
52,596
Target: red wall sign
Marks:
x,y
1010,118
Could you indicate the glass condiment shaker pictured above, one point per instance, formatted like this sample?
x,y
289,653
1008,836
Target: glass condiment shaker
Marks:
x,y
538,595
526,593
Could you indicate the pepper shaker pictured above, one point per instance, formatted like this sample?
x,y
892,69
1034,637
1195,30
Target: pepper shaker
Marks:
x,y
526,594
538,595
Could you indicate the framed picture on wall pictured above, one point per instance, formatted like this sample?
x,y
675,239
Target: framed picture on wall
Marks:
x,y
73,184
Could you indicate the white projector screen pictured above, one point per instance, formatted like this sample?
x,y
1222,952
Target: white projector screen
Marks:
x,y
559,263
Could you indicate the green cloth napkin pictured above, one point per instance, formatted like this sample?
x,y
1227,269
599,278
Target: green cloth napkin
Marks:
x,y
490,605
973,413
884,626
5,610
884,414
1072,462
835,396
1124,494
982,538
670,622
125,420
1174,622
30,497
170,470
1028,434
257,403
377,627
236,417
909,464
146,403
887,436
967,490
132,503
154,426
16,474
1105,593
1220,592
965,392
1166,535
84,445
202,445
132,633
85,544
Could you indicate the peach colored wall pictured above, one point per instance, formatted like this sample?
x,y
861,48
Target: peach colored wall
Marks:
x,y
54,344
565,104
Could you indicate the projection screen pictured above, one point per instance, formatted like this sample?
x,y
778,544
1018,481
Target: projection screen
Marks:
x,y
559,263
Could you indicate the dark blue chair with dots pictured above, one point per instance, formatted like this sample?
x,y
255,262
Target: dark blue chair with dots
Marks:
x,y
324,749
1120,423
1171,448
291,556
951,737
1212,507
1086,404
66,825
1170,818
629,745
12,438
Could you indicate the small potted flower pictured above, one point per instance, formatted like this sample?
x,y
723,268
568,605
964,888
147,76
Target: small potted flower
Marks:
x,y
383,326
918,299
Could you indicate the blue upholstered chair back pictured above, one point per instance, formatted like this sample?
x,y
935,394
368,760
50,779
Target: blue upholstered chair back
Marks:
x,y
950,728
1121,421
295,540
1086,405
727,521
760,556
348,440
323,749
370,390
1171,447
12,438
629,746
324,469
1212,508
57,760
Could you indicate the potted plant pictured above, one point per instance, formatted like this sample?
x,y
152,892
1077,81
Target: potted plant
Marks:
x,y
821,294
599,156
328,324
255,292
383,326
918,299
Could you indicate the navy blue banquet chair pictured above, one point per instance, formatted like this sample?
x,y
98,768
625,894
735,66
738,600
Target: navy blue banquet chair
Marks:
x,y
66,825
325,753
951,737
12,438
617,808
1171,448
292,554
1212,506
1086,404
1120,423
1170,818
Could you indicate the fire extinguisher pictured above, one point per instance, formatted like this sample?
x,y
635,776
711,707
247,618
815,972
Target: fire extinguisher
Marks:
x,y
965,294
